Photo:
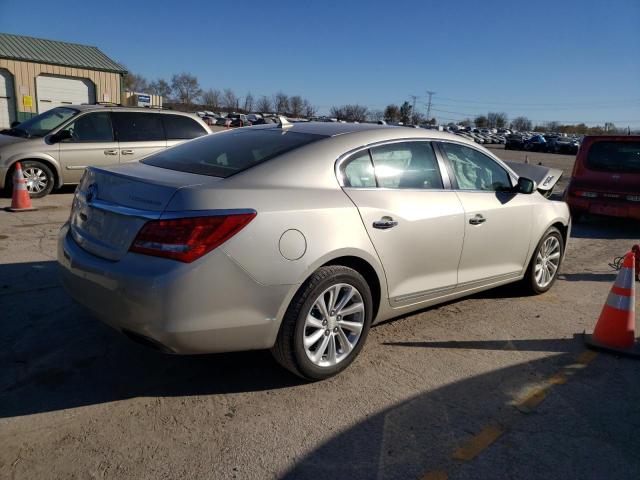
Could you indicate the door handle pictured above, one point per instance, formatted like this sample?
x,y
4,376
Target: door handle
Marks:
x,y
126,152
385,223
111,152
477,220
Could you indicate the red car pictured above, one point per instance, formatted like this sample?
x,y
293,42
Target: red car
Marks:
x,y
606,177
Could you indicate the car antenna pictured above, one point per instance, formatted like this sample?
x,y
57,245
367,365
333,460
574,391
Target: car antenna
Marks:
x,y
283,122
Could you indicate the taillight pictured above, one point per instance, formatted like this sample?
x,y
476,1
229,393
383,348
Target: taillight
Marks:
x,y
187,239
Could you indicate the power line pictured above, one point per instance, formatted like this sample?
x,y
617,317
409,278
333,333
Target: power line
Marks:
x,y
623,102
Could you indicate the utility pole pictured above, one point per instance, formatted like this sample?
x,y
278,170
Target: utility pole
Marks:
x,y
430,94
413,106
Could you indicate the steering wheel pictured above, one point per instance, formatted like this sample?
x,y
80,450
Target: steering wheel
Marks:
x,y
74,135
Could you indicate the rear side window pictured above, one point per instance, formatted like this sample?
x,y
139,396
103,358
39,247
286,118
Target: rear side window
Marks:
x,y
225,154
179,127
406,165
138,127
358,172
614,157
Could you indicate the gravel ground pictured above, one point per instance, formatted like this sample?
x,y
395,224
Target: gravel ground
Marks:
x,y
493,386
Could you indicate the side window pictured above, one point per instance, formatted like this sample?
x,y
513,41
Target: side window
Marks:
x,y
358,172
93,127
179,127
406,165
474,170
138,127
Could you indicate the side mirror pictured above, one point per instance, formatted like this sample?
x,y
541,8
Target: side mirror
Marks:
x,y
525,185
60,136
14,124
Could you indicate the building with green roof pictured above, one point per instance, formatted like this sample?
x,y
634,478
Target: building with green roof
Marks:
x,y
37,75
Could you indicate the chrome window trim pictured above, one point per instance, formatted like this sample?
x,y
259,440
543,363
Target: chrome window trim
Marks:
x,y
444,175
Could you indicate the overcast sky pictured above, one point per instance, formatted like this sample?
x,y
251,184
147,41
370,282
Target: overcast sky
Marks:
x,y
550,60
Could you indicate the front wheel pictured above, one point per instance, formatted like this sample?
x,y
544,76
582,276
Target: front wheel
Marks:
x,y
545,263
326,324
39,178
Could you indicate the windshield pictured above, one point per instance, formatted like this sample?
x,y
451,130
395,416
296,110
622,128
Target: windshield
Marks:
x,y
615,157
42,124
223,155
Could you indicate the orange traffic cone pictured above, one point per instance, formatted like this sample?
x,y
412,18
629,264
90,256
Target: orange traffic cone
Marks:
x,y
615,330
20,201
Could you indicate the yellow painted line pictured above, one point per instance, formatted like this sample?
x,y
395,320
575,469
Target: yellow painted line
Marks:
x,y
558,379
532,400
476,444
586,357
436,475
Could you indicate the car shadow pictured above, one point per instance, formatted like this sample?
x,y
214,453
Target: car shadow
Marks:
x,y
587,277
605,228
55,355
560,438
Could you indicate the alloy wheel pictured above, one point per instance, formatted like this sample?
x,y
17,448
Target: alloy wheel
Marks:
x,y
36,179
333,325
547,261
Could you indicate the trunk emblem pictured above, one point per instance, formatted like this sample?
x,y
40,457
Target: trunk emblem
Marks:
x,y
92,192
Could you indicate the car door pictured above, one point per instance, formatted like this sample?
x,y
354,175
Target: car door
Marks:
x,y
415,224
92,143
179,128
139,134
497,221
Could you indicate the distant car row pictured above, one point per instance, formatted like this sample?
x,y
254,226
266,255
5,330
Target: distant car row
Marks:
x,y
548,142
235,119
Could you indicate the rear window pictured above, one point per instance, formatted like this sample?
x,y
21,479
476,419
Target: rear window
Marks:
x,y
179,127
614,157
222,155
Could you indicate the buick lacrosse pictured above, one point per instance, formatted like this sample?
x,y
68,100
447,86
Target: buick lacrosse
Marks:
x,y
297,237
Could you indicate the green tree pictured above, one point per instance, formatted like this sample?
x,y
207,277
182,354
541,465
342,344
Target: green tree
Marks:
x,y
405,113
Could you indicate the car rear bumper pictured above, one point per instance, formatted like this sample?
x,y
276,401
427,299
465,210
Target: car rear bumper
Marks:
x,y
210,305
600,207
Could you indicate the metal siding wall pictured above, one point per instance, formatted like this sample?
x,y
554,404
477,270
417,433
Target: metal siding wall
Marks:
x,y
25,73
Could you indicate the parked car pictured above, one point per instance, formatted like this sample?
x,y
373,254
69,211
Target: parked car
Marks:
x,y
55,147
536,143
568,145
238,120
222,243
514,142
606,177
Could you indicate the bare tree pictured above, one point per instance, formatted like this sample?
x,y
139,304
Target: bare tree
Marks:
x,y
308,110
264,104
521,124
185,87
296,104
135,83
480,121
212,98
248,102
161,87
281,102
417,118
496,119
229,100
350,113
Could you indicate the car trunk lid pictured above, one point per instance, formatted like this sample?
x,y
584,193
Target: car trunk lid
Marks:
x,y
112,204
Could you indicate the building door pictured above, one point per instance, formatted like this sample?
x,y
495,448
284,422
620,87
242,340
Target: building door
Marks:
x,y
62,91
7,99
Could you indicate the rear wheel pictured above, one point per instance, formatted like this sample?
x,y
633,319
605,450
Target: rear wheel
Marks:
x,y
545,263
326,324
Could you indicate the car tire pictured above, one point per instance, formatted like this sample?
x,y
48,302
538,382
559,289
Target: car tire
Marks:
x,y
539,278
40,178
295,347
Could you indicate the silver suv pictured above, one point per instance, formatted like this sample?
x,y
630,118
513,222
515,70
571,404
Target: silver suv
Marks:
x,y
56,146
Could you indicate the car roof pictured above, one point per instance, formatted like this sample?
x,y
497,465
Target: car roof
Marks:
x,y
99,106
333,129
